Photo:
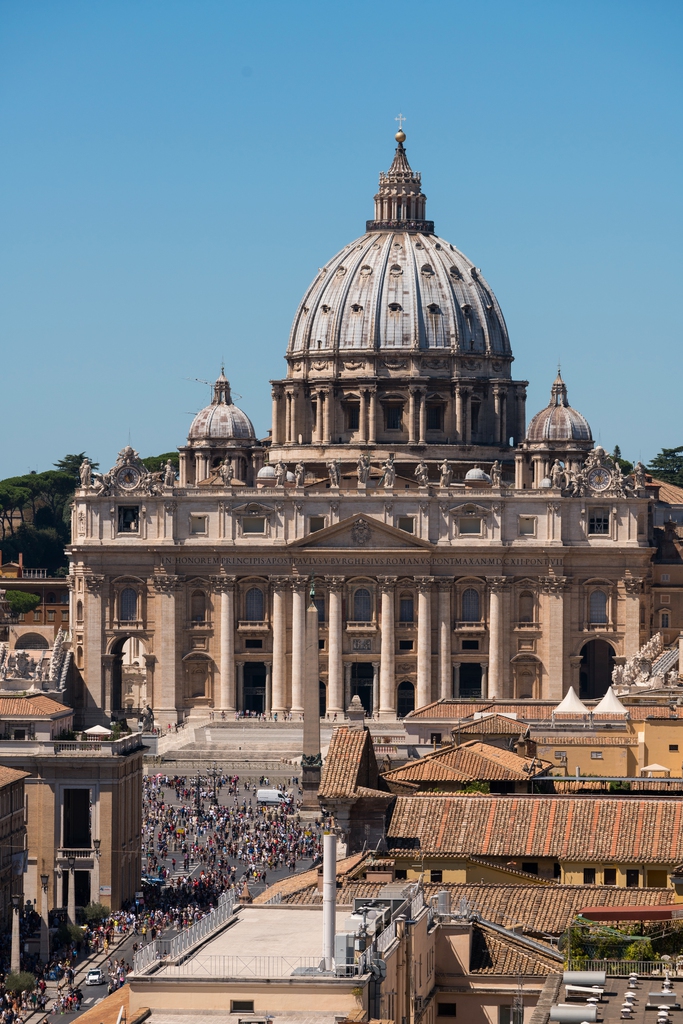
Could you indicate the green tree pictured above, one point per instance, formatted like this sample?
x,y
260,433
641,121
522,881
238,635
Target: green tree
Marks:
x,y
668,466
21,602
96,912
71,465
625,466
154,463
22,981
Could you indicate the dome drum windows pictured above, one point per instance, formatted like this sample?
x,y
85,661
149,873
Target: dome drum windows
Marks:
x,y
395,307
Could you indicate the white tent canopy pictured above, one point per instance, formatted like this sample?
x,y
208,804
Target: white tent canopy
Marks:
x,y
610,705
97,730
571,705
654,768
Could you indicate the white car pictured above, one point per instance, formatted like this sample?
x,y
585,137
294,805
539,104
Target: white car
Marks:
x,y
94,977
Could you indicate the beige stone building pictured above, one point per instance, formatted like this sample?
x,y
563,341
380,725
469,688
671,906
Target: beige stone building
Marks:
x,y
455,551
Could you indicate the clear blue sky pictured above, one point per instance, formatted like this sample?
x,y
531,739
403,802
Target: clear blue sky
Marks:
x,y
174,172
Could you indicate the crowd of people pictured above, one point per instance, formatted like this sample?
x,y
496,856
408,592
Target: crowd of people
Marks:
x,y
202,837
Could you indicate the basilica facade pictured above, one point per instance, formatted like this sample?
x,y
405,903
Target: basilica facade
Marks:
x,y
453,549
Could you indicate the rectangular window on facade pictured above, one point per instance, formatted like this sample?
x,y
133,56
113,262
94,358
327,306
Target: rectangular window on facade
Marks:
x,y
199,524
560,755
253,645
37,615
673,747
254,524
406,523
665,620
434,417
557,871
50,616
469,526
65,616
632,878
319,602
589,876
352,416
596,755
598,521
405,645
610,876
434,737
393,416
64,598
436,876
316,523
510,1015
446,1010
469,645
129,518
401,874
76,822
665,577
527,526
665,598
530,866
241,1006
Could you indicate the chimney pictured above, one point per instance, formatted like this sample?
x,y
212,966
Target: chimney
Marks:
x,y
329,898
21,564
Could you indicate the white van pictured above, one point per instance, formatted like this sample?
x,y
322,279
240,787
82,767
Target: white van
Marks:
x,y
271,797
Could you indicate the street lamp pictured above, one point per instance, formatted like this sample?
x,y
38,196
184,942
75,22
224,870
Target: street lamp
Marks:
x,y
214,773
44,922
199,793
15,961
71,902
96,872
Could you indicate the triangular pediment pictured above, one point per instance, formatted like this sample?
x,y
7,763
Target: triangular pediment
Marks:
x,y
361,533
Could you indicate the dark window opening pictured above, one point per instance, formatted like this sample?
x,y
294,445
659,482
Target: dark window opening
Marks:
x,y
598,607
406,608
434,417
557,870
253,645
589,876
362,606
319,602
254,605
352,416
434,737
77,818
530,866
632,878
474,416
316,523
610,876
129,518
436,876
394,415
673,747
470,605
447,1010
406,523
241,1006
198,606
470,645
405,699
400,874
405,645
128,605
598,520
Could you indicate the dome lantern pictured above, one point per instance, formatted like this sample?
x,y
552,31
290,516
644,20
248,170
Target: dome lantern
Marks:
x,y
400,204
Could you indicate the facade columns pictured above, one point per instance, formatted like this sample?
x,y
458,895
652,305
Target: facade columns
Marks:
x,y
279,592
632,586
387,672
108,674
276,395
411,416
335,694
466,429
347,684
240,685
225,586
445,646
497,585
299,593
327,428
93,624
424,641
166,585
363,416
422,416
503,417
520,418
553,587
459,431
372,431
484,680
375,688
269,686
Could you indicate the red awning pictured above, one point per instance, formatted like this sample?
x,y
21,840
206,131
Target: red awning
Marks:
x,y
664,912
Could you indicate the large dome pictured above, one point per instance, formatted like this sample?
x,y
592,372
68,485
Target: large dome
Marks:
x,y
400,289
221,421
558,421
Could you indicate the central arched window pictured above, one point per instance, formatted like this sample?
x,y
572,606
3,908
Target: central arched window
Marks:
x,y
254,605
362,605
526,606
198,606
598,607
406,608
470,605
128,605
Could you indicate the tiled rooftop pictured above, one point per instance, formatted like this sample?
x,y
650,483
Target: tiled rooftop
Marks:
x,y
630,829
10,775
30,707
350,768
468,762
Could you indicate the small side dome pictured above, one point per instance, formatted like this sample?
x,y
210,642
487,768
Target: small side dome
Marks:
x,y
476,475
266,473
558,421
222,420
546,482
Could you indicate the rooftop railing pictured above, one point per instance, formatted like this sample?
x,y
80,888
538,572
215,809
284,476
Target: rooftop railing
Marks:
x,y
622,968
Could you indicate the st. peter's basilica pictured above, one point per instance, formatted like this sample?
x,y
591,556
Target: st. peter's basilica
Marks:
x,y
454,549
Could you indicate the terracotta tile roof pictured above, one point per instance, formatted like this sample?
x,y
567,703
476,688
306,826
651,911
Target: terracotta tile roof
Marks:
x,y
627,829
30,707
462,712
562,785
578,740
670,494
350,770
469,762
491,725
308,880
493,953
107,1011
10,775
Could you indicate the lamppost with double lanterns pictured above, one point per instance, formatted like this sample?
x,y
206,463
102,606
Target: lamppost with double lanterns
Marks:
x,y
95,898
44,921
199,794
215,774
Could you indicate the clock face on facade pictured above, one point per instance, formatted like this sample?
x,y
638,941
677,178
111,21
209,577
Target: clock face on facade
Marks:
x,y
599,479
128,477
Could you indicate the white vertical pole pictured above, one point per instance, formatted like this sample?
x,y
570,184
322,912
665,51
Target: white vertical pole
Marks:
x,y
329,898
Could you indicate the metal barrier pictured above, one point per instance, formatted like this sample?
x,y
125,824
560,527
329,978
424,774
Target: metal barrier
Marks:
x,y
244,966
171,949
622,968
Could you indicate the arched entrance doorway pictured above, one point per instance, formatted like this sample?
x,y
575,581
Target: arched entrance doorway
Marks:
x,y
595,672
128,675
470,680
405,699
254,687
361,684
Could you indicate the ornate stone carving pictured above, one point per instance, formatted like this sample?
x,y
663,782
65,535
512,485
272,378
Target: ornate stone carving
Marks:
x,y
170,507
222,584
299,584
299,474
311,761
553,584
279,582
128,476
363,469
85,474
446,471
632,584
320,364
388,477
498,583
93,582
424,583
554,507
334,583
166,583
395,364
496,474
361,532
334,473
80,520
334,507
354,364
386,583
445,585
422,473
